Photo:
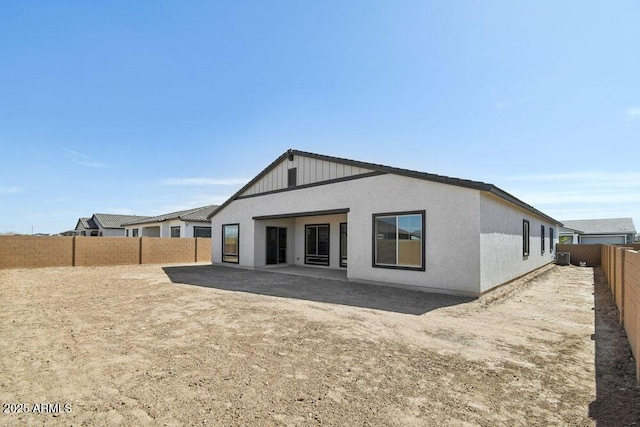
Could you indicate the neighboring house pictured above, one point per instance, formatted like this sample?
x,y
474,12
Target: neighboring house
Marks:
x,y
188,223
104,225
382,225
608,230
568,235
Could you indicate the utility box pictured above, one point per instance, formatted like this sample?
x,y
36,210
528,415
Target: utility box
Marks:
x,y
563,258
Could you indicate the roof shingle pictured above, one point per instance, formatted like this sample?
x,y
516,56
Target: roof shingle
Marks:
x,y
602,226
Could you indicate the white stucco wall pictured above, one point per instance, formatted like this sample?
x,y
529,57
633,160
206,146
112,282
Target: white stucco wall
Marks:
x,y
112,232
163,229
452,238
501,241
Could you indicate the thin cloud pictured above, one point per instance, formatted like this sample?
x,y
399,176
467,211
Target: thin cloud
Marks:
x,y
10,190
505,105
203,181
585,197
581,194
632,113
82,159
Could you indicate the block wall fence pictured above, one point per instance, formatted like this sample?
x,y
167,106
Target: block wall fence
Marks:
x,y
44,251
621,265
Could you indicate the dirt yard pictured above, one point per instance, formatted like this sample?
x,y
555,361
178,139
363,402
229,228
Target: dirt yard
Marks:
x,y
204,345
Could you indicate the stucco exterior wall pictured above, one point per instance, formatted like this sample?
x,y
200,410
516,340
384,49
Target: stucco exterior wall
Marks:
x,y
501,242
111,232
452,237
163,229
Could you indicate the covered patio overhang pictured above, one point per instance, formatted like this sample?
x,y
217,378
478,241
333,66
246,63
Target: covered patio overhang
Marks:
x,y
302,214
302,239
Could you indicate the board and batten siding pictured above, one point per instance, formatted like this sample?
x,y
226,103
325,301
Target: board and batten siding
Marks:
x,y
310,171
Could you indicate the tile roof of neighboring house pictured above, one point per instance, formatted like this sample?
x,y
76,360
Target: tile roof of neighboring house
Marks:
x,y
195,215
570,230
603,226
115,221
200,215
476,185
88,223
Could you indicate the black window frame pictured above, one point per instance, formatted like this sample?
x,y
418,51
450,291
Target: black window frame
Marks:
x,y
543,231
236,255
175,228
526,238
551,237
343,257
135,232
374,239
316,259
196,229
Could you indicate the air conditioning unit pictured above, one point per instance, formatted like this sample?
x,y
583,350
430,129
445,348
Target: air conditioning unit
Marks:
x,y
563,258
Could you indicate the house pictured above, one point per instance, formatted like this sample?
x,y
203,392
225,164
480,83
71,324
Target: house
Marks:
x,y
382,225
607,230
188,223
104,225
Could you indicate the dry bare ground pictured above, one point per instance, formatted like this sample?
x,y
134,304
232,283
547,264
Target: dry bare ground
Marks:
x,y
204,345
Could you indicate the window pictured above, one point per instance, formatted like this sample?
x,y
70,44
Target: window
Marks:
x,y
525,238
343,244
398,240
542,232
83,233
134,232
550,240
126,233
201,231
292,178
175,231
316,244
231,243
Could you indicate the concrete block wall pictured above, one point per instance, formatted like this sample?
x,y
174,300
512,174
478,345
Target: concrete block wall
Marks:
x,y
157,250
591,254
203,249
35,251
622,269
91,251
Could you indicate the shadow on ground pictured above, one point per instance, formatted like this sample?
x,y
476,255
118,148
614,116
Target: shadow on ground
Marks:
x,y
311,289
617,395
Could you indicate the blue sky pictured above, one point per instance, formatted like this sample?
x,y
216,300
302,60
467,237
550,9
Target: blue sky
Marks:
x,y
145,107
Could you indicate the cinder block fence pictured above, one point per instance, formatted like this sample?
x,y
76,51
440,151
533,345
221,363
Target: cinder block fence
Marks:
x,y
621,265
41,251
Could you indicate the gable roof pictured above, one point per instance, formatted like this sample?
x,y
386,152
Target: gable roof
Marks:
x,y
114,221
602,226
196,215
87,223
382,169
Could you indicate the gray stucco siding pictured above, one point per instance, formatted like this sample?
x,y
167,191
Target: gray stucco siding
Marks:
x,y
501,242
452,238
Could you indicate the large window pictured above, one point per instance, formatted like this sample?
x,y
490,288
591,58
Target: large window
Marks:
x,y
398,240
542,236
201,231
134,232
525,238
175,231
317,244
551,240
231,243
